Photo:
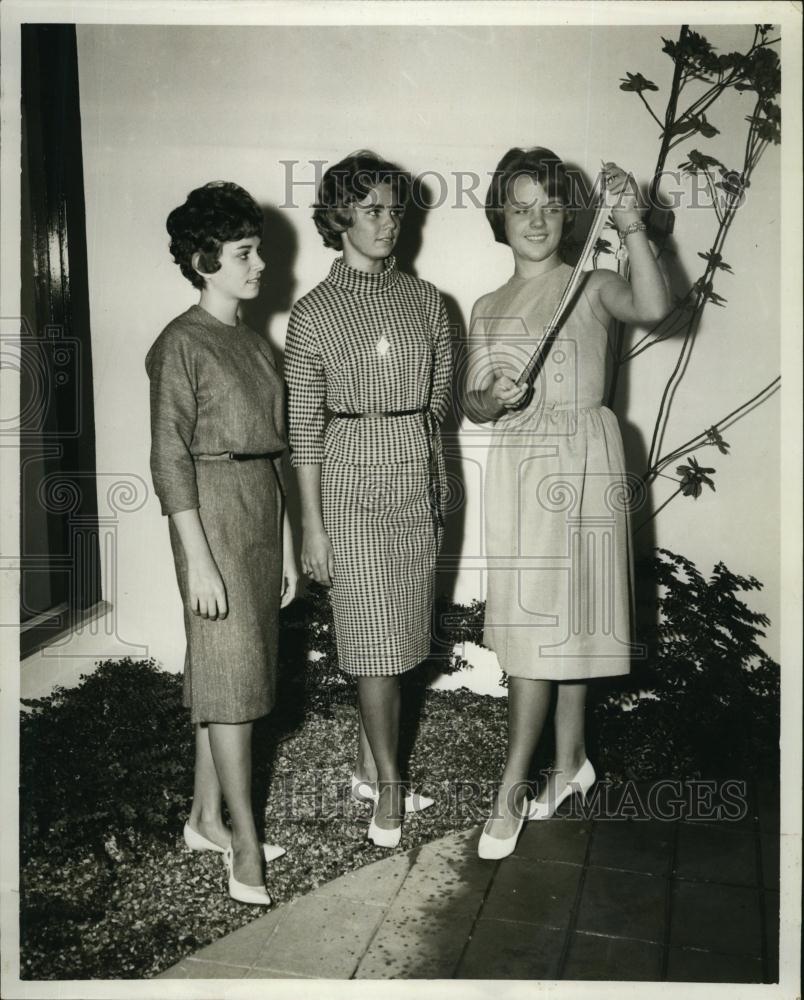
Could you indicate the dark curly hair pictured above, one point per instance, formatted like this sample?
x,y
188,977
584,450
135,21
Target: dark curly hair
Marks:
x,y
349,181
539,163
217,213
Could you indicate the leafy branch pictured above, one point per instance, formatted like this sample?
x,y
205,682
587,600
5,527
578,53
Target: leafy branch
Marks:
x,y
757,70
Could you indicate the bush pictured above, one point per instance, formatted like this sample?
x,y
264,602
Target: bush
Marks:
x,y
105,762
308,653
706,701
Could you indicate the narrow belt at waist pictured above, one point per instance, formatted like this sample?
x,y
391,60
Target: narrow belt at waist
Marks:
x,y
377,414
237,456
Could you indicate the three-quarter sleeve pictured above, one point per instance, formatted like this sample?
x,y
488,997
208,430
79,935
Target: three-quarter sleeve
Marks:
x,y
304,372
442,364
173,418
479,374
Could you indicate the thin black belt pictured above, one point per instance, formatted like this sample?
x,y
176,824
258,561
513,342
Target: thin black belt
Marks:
x,y
431,429
238,456
374,414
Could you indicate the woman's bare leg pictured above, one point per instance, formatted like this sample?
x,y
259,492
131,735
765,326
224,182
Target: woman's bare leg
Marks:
x,y
570,738
379,711
365,767
205,814
528,704
231,752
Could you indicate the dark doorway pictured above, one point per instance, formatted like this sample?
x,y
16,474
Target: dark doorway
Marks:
x,y
60,563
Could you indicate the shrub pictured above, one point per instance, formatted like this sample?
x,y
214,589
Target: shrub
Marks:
x,y
706,700
105,762
308,653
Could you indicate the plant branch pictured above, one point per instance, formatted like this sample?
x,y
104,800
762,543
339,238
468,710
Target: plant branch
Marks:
x,y
699,439
650,109
657,511
641,347
710,184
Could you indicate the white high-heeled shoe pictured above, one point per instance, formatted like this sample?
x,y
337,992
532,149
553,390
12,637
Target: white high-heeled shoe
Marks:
x,y
366,791
383,837
581,782
255,894
493,848
198,842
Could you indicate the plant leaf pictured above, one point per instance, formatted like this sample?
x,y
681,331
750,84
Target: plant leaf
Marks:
x,y
636,83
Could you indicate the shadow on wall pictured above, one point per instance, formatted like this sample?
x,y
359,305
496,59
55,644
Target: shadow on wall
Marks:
x,y
279,249
407,250
635,444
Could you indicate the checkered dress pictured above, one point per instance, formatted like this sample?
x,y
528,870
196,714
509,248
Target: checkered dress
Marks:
x,y
371,344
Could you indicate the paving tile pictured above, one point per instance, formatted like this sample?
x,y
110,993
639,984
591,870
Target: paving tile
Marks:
x,y
624,800
692,966
623,904
242,946
770,860
377,883
554,840
707,802
534,892
415,943
723,918
321,937
670,800
447,873
633,845
506,949
189,968
177,971
593,956
716,854
772,934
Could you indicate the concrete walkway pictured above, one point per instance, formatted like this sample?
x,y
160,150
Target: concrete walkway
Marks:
x,y
581,898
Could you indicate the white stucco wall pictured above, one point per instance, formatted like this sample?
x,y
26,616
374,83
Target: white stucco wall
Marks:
x,y
165,109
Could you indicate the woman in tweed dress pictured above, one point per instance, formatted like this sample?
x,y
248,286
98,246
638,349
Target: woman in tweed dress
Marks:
x,y
218,430
371,345
559,581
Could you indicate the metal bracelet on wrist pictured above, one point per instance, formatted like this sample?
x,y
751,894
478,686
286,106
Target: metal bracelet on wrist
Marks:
x,y
634,227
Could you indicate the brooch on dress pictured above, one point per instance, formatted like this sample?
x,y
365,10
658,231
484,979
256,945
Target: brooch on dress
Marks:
x,y
383,346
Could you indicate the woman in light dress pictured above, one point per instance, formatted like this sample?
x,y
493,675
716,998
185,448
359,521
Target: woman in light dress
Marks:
x,y
558,610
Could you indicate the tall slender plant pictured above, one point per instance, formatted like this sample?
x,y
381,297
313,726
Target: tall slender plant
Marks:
x,y
757,71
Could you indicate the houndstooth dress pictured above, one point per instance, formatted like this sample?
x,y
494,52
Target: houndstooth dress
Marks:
x,y
362,343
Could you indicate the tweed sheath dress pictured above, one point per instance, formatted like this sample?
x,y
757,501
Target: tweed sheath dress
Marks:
x,y
215,391
559,589
371,344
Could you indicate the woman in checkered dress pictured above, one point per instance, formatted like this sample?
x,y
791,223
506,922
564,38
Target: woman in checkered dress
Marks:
x,y
370,345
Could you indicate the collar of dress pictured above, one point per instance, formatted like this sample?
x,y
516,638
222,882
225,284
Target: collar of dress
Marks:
x,y
361,282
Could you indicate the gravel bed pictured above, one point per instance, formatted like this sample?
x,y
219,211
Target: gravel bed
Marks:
x,y
136,910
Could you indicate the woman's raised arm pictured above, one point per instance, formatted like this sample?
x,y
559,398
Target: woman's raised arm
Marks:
x,y
645,298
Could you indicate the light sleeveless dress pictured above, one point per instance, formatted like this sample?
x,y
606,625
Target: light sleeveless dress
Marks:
x,y
559,587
